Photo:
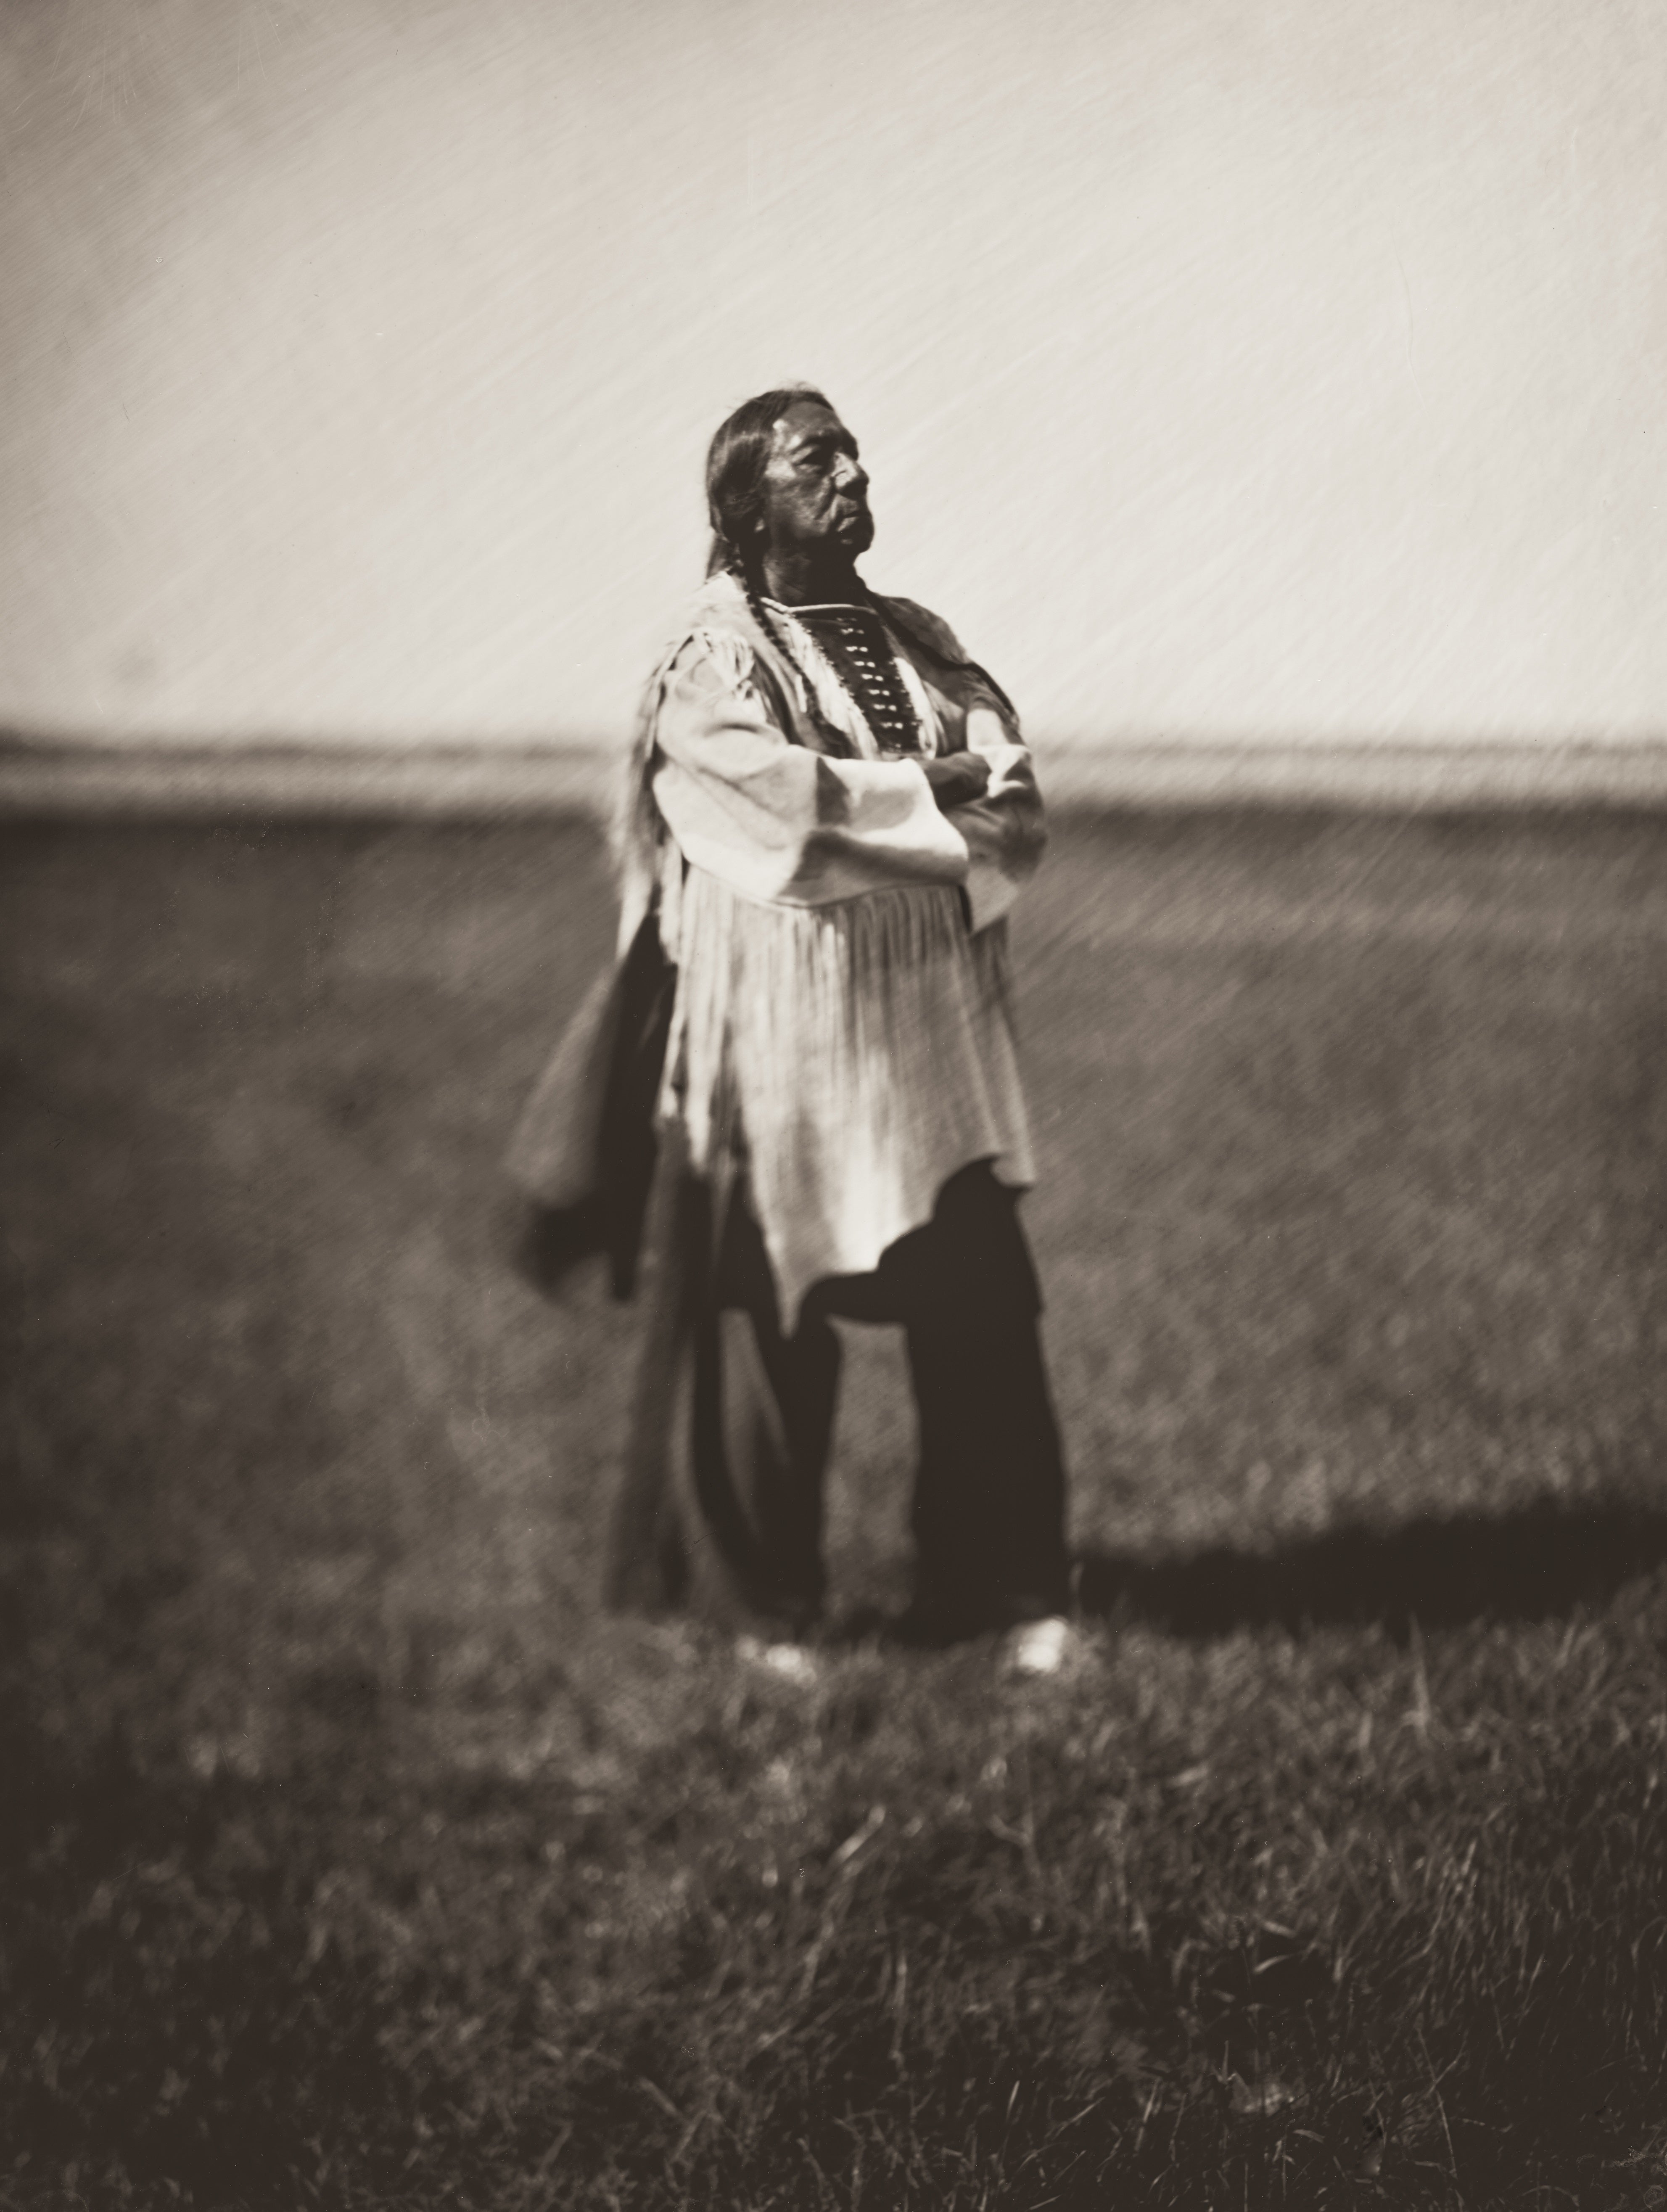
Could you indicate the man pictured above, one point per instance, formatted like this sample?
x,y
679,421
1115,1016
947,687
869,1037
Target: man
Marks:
x,y
829,812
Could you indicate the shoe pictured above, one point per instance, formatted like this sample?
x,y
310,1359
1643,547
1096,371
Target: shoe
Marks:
x,y
1040,1647
791,1662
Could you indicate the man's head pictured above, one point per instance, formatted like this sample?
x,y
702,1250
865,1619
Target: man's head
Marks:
x,y
784,486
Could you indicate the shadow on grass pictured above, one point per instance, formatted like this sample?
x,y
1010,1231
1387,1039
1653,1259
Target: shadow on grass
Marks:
x,y
1534,1565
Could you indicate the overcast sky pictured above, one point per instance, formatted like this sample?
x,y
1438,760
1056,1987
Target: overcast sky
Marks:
x,y
1279,368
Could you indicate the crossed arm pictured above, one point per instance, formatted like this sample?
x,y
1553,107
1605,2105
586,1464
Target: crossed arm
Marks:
x,y
957,779
781,823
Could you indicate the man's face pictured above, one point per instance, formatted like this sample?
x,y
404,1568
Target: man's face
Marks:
x,y
816,490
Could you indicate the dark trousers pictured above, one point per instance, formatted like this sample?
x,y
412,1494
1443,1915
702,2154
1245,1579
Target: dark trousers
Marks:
x,y
721,1505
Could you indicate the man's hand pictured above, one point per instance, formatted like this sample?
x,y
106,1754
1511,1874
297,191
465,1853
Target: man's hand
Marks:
x,y
957,778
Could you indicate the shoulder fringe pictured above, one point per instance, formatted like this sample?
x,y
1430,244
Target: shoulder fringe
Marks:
x,y
720,619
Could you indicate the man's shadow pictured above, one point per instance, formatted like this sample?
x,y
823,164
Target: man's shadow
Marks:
x,y
1533,1564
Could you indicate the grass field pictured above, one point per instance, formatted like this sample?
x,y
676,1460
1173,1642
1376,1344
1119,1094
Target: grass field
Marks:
x,y
349,1857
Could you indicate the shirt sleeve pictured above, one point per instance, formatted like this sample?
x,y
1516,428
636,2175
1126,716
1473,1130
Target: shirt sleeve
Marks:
x,y
1004,831
773,820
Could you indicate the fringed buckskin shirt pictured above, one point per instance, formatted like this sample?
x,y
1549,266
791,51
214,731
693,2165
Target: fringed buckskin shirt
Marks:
x,y
842,1033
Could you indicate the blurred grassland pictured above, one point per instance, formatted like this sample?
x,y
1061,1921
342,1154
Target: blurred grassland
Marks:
x,y
351,1858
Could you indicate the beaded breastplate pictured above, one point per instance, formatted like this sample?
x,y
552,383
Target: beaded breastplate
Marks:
x,y
853,642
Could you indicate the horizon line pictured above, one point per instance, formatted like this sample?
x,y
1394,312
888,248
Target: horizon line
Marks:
x,y
298,776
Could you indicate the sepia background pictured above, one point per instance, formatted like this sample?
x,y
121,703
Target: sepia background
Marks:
x,y
1273,396
1283,372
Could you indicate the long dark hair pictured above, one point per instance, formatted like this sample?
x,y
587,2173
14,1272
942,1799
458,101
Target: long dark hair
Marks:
x,y
735,464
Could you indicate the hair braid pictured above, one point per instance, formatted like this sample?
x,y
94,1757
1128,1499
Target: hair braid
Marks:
x,y
835,740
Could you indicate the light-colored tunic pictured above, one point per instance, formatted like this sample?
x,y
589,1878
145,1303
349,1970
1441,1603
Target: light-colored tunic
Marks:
x,y
843,1021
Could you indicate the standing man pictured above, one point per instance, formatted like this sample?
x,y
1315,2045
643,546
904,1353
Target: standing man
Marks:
x,y
829,813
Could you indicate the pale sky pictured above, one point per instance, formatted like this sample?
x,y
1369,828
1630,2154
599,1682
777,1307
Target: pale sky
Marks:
x,y
1247,368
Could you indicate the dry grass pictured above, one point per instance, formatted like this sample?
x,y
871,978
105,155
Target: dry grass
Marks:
x,y
350,1859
